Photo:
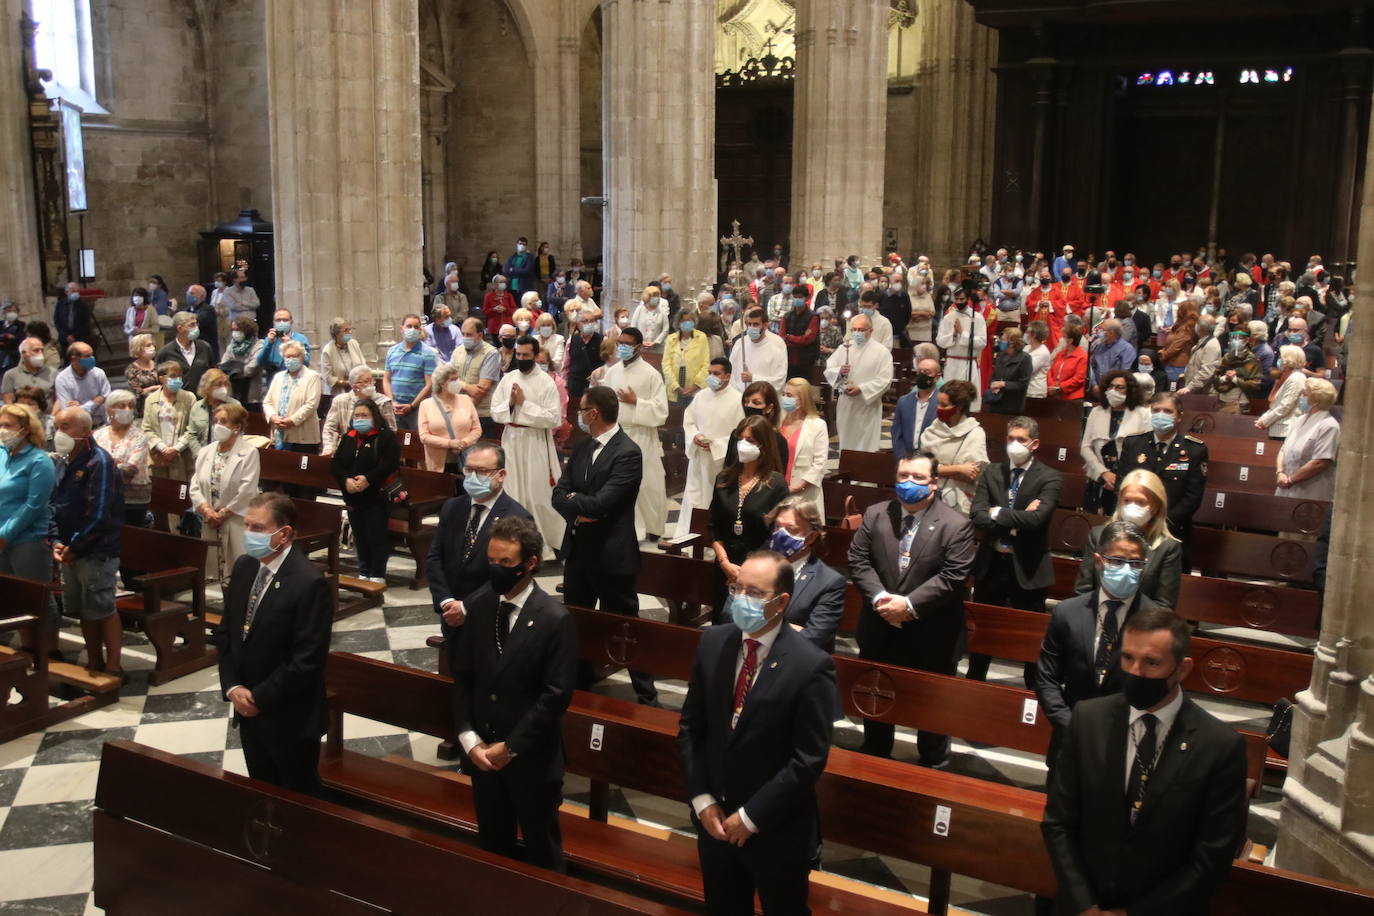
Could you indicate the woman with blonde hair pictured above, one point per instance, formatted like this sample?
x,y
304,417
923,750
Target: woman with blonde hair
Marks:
x,y
141,374
340,356
214,392
1144,503
26,483
551,342
808,442
224,483
523,320
1283,401
126,442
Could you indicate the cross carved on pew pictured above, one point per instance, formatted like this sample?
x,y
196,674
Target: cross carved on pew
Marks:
x,y
259,831
1223,669
620,644
736,241
873,694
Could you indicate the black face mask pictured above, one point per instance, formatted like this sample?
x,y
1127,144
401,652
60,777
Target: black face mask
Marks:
x,y
524,365
508,343
504,578
1143,692
753,411
924,381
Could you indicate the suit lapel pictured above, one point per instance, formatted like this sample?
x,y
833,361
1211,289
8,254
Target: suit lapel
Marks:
x,y
1115,774
806,580
770,672
1089,634
268,600
526,623
1173,758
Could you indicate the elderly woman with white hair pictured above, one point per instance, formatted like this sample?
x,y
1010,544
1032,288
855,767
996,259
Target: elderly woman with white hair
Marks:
x,y
1283,401
651,318
498,305
340,356
362,386
1306,467
292,403
126,442
448,421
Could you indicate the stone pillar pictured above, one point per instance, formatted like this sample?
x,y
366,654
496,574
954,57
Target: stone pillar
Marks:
x,y
839,130
558,152
20,274
951,177
1327,824
660,125
343,89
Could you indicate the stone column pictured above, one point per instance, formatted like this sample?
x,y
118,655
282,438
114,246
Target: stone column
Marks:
x,y
660,143
839,130
20,274
951,178
558,153
1327,825
344,114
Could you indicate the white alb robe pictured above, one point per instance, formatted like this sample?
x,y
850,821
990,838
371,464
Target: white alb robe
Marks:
x,y
531,458
860,417
714,415
958,365
765,360
641,421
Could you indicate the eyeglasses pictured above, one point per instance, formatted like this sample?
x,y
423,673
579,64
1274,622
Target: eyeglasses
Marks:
x,y
1118,562
735,591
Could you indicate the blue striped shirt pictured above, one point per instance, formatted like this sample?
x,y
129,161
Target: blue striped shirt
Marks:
x,y
408,370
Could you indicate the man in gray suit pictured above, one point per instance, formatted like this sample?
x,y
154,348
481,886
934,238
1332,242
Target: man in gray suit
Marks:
x,y
910,558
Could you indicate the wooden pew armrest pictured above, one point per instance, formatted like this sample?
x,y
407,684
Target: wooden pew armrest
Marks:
x,y
163,579
21,622
687,544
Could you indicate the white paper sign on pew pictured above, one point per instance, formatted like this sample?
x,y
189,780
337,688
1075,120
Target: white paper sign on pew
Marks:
x,y
942,814
1030,708
598,732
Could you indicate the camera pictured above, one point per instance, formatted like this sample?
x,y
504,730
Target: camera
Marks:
x,y
1092,283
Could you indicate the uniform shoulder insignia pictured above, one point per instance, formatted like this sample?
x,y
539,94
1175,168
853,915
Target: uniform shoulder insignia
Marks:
x,y
1195,439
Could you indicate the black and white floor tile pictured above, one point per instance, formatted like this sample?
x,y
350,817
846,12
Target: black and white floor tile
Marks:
x,y
48,780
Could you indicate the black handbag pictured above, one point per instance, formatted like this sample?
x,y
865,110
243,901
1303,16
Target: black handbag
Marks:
x,y
1279,733
395,491
190,524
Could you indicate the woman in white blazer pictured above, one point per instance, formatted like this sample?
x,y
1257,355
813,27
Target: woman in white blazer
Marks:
x,y
1108,425
292,403
1283,401
224,483
340,356
808,442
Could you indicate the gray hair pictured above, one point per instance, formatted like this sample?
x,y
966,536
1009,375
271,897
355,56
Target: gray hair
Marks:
x,y
119,397
358,373
927,350
1291,356
184,318
803,507
442,373
1027,423
1245,310
336,326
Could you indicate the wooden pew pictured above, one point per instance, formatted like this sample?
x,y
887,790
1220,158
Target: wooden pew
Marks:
x,y
1053,409
274,851
173,564
686,585
621,743
412,450
1260,512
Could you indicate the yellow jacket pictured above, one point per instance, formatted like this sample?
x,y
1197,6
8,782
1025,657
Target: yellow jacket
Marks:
x,y
698,357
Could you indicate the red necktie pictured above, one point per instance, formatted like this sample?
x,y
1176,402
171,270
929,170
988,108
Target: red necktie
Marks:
x,y
746,677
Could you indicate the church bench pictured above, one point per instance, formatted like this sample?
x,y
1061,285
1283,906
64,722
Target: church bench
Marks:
x,y
412,450
686,585
280,852
171,564
1260,512
1053,409
622,743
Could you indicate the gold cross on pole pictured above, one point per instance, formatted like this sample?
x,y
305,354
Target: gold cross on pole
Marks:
x,y
736,242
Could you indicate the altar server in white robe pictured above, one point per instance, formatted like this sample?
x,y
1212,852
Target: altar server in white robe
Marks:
x,y
759,355
961,361
526,401
860,372
882,328
643,409
706,427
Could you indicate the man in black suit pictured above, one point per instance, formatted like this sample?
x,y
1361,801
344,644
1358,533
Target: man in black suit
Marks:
x,y
1177,459
513,679
457,562
910,558
754,737
1013,504
596,495
1080,657
273,640
1147,804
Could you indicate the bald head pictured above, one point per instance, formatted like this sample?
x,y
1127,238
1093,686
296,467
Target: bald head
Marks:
x,y
74,421
861,323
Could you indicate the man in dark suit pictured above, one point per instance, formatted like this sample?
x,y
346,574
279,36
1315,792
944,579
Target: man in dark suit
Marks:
x,y
513,679
1179,460
584,353
754,737
817,602
1147,804
596,495
273,641
457,562
916,409
1080,657
910,558
1013,504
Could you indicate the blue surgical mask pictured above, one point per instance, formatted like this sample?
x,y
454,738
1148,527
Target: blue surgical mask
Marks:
x,y
469,343
788,404
589,328
1295,339
411,335
624,352
347,338
582,424
1304,405
192,300
754,333
1162,422
87,363
293,364
258,544
193,334
478,486
911,492
362,425
1120,582
283,327
859,337
174,384
786,543
868,312
714,383
687,327
747,613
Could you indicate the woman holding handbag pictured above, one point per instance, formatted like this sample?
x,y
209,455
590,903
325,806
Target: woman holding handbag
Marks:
x,y
448,422
367,459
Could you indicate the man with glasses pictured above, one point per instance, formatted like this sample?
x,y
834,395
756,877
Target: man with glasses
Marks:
x,y
1081,654
754,737
457,561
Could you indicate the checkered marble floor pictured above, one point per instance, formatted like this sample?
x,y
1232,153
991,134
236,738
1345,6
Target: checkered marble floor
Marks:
x,y
47,780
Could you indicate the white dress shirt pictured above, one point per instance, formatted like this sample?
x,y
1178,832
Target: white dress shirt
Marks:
x,y
705,800
1165,715
470,739
601,442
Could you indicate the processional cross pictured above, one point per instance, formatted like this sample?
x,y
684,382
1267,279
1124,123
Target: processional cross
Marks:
x,y
736,241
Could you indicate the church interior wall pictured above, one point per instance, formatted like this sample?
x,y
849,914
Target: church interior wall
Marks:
x,y
237,69
590,62
899,204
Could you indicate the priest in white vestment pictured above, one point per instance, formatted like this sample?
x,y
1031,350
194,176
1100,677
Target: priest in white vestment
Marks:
x,y
526,401
643,409
961,361
759,355
860,372
706,427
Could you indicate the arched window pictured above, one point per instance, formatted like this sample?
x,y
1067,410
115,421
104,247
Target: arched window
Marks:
x,y
63,45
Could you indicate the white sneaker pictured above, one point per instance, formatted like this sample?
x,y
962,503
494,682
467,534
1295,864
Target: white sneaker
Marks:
x,y
380,580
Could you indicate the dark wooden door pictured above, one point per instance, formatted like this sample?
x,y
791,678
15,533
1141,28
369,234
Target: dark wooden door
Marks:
x,y
754,161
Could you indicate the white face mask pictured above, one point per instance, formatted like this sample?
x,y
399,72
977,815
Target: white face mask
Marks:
x,y
1116,398
10,438
220,432
124,416
36,360
149,352
63,443
747,451
1018,452
454,387
368,393
1135,514
220,394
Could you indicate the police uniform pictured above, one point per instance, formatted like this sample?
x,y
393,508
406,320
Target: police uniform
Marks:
x,y
1181,464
